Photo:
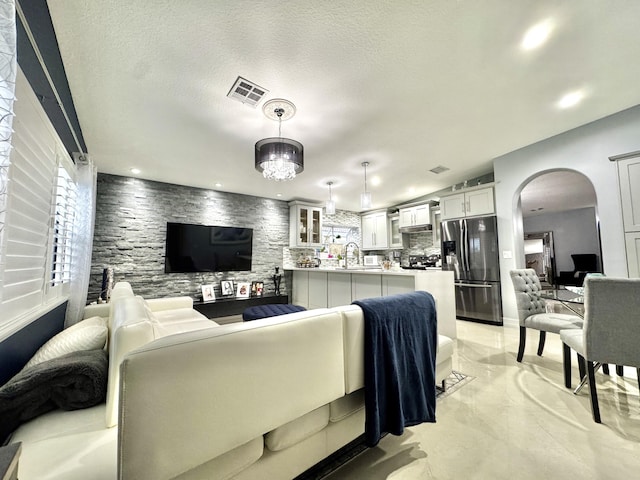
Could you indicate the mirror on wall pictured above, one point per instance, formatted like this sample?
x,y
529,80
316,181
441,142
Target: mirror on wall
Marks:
x,y
539,255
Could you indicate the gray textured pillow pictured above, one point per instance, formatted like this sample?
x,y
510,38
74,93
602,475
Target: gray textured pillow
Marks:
x,y
90,334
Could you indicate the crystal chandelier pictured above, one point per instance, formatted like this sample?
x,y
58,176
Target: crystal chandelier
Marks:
x,y
276,157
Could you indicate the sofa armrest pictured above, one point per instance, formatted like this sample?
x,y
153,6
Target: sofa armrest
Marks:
x,y
97,310
169,303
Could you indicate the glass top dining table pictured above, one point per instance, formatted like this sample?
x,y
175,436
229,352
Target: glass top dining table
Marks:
x,y
570,299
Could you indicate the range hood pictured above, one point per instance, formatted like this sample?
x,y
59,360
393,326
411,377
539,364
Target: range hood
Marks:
x,y
427,227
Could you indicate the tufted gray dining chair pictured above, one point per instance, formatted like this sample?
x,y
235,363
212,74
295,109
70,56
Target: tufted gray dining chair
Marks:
x,y
532,310
611,332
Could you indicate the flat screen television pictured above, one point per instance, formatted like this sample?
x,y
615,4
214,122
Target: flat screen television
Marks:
x,y
207,248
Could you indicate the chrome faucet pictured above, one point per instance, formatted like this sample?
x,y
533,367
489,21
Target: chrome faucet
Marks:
x,y
356,252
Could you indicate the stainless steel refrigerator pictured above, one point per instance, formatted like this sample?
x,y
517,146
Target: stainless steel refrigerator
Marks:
x,y
470,250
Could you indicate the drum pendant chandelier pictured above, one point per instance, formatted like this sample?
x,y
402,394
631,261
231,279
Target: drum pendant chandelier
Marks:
x,y
276,157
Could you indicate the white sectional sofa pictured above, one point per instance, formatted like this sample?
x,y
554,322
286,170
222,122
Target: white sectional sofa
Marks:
x,y
189,399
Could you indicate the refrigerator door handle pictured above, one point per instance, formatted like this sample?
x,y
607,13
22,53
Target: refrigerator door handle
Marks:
x,y
465,247
474,285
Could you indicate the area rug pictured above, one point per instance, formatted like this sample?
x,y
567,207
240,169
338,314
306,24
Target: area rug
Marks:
x,y
453,382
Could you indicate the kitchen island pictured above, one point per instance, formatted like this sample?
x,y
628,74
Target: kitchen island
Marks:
x,y
324,287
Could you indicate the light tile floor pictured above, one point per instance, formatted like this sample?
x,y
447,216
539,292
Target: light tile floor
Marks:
x,y
514,421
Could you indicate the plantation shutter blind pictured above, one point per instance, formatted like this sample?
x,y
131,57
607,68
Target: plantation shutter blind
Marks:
x,y
25,260
65,207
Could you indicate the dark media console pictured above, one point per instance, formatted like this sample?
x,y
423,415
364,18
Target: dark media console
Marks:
x,y
224,307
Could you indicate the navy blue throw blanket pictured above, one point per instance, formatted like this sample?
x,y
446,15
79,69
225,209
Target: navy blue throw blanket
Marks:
x,y
401,339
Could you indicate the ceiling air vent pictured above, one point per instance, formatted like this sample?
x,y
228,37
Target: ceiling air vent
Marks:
x,y
246,92
438,169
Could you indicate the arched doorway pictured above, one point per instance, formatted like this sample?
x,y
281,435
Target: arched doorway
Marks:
x,y
560,227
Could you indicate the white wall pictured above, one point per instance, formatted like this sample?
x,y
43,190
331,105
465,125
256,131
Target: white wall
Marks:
x,y
574,231
586,150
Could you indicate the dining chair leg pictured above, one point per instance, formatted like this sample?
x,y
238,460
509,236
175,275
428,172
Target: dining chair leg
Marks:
x,y
581,367
595,409
620,370
543,336
605,368
523,340
566,363
638,373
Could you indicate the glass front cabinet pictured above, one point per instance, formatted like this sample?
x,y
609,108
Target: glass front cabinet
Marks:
x,y
305,225
395,237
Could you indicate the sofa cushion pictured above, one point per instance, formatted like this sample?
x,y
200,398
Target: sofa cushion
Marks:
x,y
229,464
71,445
169,303
169,322
347,405
445,348
89,334
298,429
178,315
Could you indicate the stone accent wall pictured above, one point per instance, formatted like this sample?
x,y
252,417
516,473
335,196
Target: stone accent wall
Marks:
x,y
130,229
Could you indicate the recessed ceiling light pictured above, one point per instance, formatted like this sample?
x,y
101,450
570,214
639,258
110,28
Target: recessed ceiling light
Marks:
x,y
375,181
278,194
135,171
411,190
571,99
536,35
218,185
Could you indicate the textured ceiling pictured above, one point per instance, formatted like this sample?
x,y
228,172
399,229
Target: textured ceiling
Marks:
x,y
406,85
557,191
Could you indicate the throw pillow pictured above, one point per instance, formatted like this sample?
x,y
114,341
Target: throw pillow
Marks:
x,y
91,322
76,338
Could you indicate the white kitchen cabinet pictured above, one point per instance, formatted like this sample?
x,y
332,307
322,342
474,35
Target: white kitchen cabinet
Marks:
x,y
629,178
374,231
305,225
632,241
365,286
300,289
452,206
338,289
343,286
470,203
395,237
415,216
435,221
318,290
392,285
310,289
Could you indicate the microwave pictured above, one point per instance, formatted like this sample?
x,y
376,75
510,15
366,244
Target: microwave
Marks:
x,y
373,261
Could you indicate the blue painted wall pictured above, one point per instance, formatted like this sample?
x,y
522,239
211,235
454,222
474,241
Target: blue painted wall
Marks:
x,y
16,350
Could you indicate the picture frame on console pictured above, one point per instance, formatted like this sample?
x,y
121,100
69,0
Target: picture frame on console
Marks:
x,y
226,287
257,288
208,293
243,290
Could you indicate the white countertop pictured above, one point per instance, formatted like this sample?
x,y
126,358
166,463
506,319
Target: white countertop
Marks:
x,y
367,271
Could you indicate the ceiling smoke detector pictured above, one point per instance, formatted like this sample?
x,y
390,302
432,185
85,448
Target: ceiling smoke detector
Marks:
x,y
247,92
